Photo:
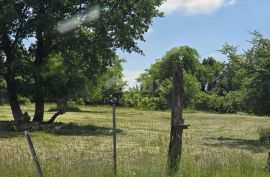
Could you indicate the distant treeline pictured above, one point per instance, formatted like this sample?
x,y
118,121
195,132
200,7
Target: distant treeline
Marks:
x,y
240,84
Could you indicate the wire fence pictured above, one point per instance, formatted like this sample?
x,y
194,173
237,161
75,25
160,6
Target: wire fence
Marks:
x,y
86,148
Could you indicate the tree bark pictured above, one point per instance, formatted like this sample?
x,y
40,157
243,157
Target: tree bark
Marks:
x,y
52,119
13,98
9,76
39,98
39,80
177,121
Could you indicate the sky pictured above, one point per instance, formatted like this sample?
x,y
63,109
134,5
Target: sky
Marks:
x,y
205,25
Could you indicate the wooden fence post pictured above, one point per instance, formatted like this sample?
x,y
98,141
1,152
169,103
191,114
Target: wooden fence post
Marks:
x,y
34,156
177,121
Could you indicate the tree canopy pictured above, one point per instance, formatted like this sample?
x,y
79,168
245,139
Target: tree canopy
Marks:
x,y
89,48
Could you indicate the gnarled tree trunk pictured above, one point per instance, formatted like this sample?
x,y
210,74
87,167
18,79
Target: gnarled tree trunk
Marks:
x,y
9,76
13,98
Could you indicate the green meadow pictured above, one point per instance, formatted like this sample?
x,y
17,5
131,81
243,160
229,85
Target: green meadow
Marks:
x,y
215,145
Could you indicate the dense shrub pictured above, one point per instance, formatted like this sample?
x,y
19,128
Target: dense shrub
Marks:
x,y
138,100
161,97
195,99
230,103
24,100
205,101
70,106
233,101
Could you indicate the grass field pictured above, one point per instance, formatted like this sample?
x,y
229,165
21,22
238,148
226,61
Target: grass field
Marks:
x,y
216,145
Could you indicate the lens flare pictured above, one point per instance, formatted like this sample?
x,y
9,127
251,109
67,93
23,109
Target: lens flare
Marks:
x,y
76,21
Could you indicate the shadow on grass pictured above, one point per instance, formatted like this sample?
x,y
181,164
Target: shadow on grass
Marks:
x,y
95,112
78,109
251,145
83,130
8,135
9,130
127,114
83,111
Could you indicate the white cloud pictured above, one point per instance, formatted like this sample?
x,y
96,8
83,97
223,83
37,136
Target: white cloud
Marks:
x,y
194,6
131,76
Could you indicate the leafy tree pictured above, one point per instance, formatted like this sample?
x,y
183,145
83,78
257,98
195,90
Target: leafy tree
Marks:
x,y
162,68
257,70
156,81
187,55
209,74
191,89
62,77
108,84
120,25
233,71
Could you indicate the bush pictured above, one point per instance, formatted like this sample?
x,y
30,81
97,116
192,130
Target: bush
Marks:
x,y
233,102
79,101
24,100
71,106
207,102
137,100
230,103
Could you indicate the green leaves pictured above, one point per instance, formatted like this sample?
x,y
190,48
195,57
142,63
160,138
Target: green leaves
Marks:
x,y
156,82
69,62
257,65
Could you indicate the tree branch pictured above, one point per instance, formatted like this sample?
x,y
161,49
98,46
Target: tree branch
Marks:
x,y
20,29
54,117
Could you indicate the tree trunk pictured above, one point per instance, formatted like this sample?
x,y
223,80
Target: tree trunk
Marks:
x,y
10,78
177,121
39,80
39,98
13,98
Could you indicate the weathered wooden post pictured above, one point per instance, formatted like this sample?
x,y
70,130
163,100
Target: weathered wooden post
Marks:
x,y
177,121
32,150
